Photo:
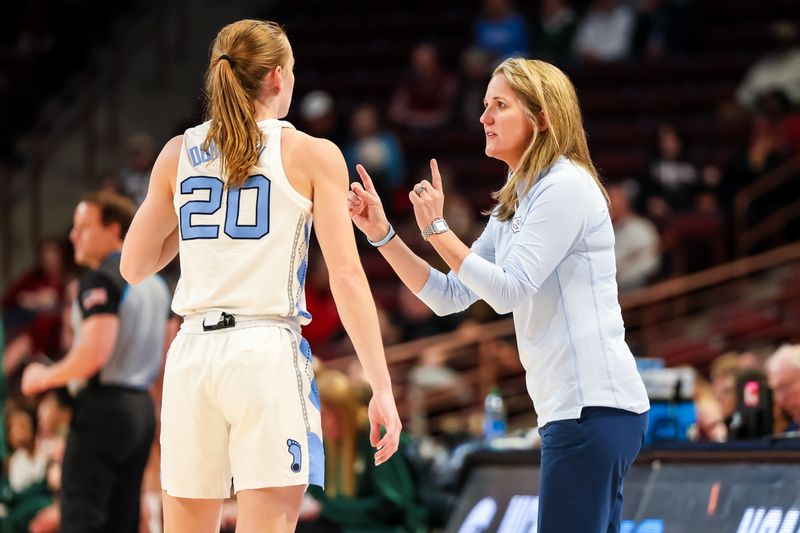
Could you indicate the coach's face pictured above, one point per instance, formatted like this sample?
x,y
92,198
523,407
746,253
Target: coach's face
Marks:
x,y
92,240
507,127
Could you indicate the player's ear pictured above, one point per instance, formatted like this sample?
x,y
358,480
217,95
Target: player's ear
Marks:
x,y
274,79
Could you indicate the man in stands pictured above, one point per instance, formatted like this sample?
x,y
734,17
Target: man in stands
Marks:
x,y
783,373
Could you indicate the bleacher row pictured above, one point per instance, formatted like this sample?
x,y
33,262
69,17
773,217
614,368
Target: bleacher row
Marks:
x,y
358,51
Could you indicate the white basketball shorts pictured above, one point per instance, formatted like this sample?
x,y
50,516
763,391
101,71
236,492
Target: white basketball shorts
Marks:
x,y
240,405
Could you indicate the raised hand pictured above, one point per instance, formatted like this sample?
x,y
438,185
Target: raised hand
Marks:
x,y
428,198
366,209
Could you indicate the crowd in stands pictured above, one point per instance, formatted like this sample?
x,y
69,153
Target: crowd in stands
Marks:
x,y
676,190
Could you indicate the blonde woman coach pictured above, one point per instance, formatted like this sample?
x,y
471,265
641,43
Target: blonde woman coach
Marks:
x,y
547,256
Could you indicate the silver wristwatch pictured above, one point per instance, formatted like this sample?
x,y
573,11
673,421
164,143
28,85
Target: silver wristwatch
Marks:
x,y
439,225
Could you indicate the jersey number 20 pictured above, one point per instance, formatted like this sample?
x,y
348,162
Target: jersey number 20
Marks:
x,y
215,188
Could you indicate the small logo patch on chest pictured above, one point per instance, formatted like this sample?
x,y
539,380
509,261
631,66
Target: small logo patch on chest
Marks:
x,y
516,223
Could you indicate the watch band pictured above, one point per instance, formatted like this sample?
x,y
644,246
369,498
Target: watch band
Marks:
x,y
429,230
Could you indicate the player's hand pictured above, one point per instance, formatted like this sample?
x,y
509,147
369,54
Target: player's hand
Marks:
x,y
383,412
428,198
366,209
34,379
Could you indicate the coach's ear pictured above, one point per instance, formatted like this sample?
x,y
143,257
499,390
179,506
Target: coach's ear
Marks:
x,y
541,122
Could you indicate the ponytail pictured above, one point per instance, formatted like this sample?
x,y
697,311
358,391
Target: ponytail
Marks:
x,y
241,56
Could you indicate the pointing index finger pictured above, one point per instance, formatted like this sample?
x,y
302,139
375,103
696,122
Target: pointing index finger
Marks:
x,y
436,178
365,178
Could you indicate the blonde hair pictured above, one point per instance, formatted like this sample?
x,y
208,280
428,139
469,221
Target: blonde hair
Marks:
x,y
242,54
548,96
338,395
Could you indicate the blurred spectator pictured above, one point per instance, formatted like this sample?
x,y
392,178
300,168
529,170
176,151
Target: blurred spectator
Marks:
x,y
554,32
762,155
783,120
711,194
33,307
319,118
711,424
424,97
39,291
53,414
27,469
783,374
724,372
500,31
672,180
636,242
779,69
27,465
665,27
109,181
135,176
359,496
378,150
475,73
605,32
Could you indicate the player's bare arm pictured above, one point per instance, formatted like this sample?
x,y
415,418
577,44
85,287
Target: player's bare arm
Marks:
x,y
323,161
152,241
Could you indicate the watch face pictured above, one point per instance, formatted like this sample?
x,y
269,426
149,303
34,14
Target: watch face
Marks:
x,y
439,226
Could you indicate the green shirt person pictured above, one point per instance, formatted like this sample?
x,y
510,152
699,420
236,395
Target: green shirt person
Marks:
x,y
360,497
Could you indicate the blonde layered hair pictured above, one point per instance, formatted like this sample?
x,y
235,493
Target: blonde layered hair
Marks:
x,y
253,48
550,103
338,396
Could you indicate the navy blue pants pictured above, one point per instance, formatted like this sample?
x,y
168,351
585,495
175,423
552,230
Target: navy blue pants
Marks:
x,y
584,462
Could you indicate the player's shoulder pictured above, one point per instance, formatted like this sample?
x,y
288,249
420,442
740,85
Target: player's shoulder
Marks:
x,y
174,145
307,150
171,151
318,145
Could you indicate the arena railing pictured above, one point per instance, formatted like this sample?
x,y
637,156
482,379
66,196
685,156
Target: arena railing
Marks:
x,y
749,235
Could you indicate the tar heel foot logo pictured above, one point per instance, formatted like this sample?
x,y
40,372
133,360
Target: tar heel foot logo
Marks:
x,y
774,520
297,455
516,224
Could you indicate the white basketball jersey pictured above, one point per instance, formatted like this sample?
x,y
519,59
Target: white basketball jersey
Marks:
x,y
242,250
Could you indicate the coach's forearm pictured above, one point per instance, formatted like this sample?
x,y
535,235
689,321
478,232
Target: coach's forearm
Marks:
x,y
412,270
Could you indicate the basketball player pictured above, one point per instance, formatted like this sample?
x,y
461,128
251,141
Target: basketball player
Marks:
x,y
547,255
236,195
